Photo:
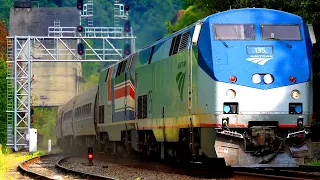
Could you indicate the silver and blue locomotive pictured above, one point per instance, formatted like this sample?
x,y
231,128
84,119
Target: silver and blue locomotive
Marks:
x,y
236,85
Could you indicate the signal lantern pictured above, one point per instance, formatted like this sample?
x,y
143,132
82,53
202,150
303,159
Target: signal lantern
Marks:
x,y
79,28
127,49
126,7
127,26
80,49
80,4
90,155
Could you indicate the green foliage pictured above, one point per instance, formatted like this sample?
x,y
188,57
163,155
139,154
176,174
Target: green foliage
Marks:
x,y
91,80
8,162
148,19
44,120
5,6
3,102
191,15
304,8
314,163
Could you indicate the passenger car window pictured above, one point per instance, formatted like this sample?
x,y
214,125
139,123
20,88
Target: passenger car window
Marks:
x,y
281,32
234,32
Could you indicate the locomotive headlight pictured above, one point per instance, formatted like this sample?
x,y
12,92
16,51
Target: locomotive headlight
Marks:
x,y
231,93
256,78
268,79
295,94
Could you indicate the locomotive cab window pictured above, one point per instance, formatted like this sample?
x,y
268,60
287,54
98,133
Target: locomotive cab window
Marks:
x,y
234,32
281,32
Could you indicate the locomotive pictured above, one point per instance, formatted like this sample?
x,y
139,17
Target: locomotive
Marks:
x,y
235,87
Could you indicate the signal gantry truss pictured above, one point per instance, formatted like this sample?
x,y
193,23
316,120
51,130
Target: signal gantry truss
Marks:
x,y
59,46
25,50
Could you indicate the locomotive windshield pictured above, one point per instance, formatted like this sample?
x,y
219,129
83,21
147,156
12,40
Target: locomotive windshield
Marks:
x,y
234,32
281,32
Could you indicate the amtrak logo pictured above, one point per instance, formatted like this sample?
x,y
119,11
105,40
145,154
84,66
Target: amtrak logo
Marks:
x,y
180,81
259,59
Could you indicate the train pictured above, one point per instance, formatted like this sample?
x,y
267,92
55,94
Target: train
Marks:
x,y
234,88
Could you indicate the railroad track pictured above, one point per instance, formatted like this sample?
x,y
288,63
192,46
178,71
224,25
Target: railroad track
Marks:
x,y
48,167
64,166
298,173
281,173
128,168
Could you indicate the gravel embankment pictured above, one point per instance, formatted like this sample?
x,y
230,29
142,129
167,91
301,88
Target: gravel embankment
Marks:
x,y
46,167
118,171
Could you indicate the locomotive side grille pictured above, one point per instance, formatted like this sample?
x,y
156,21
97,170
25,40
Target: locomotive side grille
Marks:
x,y
142,107
139,115
145,106
184,41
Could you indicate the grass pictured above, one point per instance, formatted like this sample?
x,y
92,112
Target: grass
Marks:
x,y
9,161
314,163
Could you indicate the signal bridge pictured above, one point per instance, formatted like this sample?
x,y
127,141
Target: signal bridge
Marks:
x,y
62,44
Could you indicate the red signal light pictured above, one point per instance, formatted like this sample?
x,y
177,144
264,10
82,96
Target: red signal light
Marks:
x,y
90,156
80,49
127,26
232,79
79,28
127,49
292,79
126,8
80,4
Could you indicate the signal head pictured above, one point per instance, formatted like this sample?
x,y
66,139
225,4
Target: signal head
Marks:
x,y
126,7
79,28
90,153
80,49
80,4
127,26
127,49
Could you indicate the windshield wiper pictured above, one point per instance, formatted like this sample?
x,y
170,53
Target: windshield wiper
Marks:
x,y
223,42
287,44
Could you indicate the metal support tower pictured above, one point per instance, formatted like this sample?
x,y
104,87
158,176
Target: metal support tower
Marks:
x,y
119,13
10,90
25,51
56,24
87,13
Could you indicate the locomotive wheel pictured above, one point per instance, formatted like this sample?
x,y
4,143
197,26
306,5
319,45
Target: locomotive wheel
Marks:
x,y
184,154
217,168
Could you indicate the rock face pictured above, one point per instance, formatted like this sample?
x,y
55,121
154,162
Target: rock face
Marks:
x,y
53,83
35,21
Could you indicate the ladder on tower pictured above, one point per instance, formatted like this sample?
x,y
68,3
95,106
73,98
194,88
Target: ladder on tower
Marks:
x,y
116,13
56,24
10,92
90,13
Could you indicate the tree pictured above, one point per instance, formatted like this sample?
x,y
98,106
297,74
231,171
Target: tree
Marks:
x,y
44,119
3,83
3,102
3,40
